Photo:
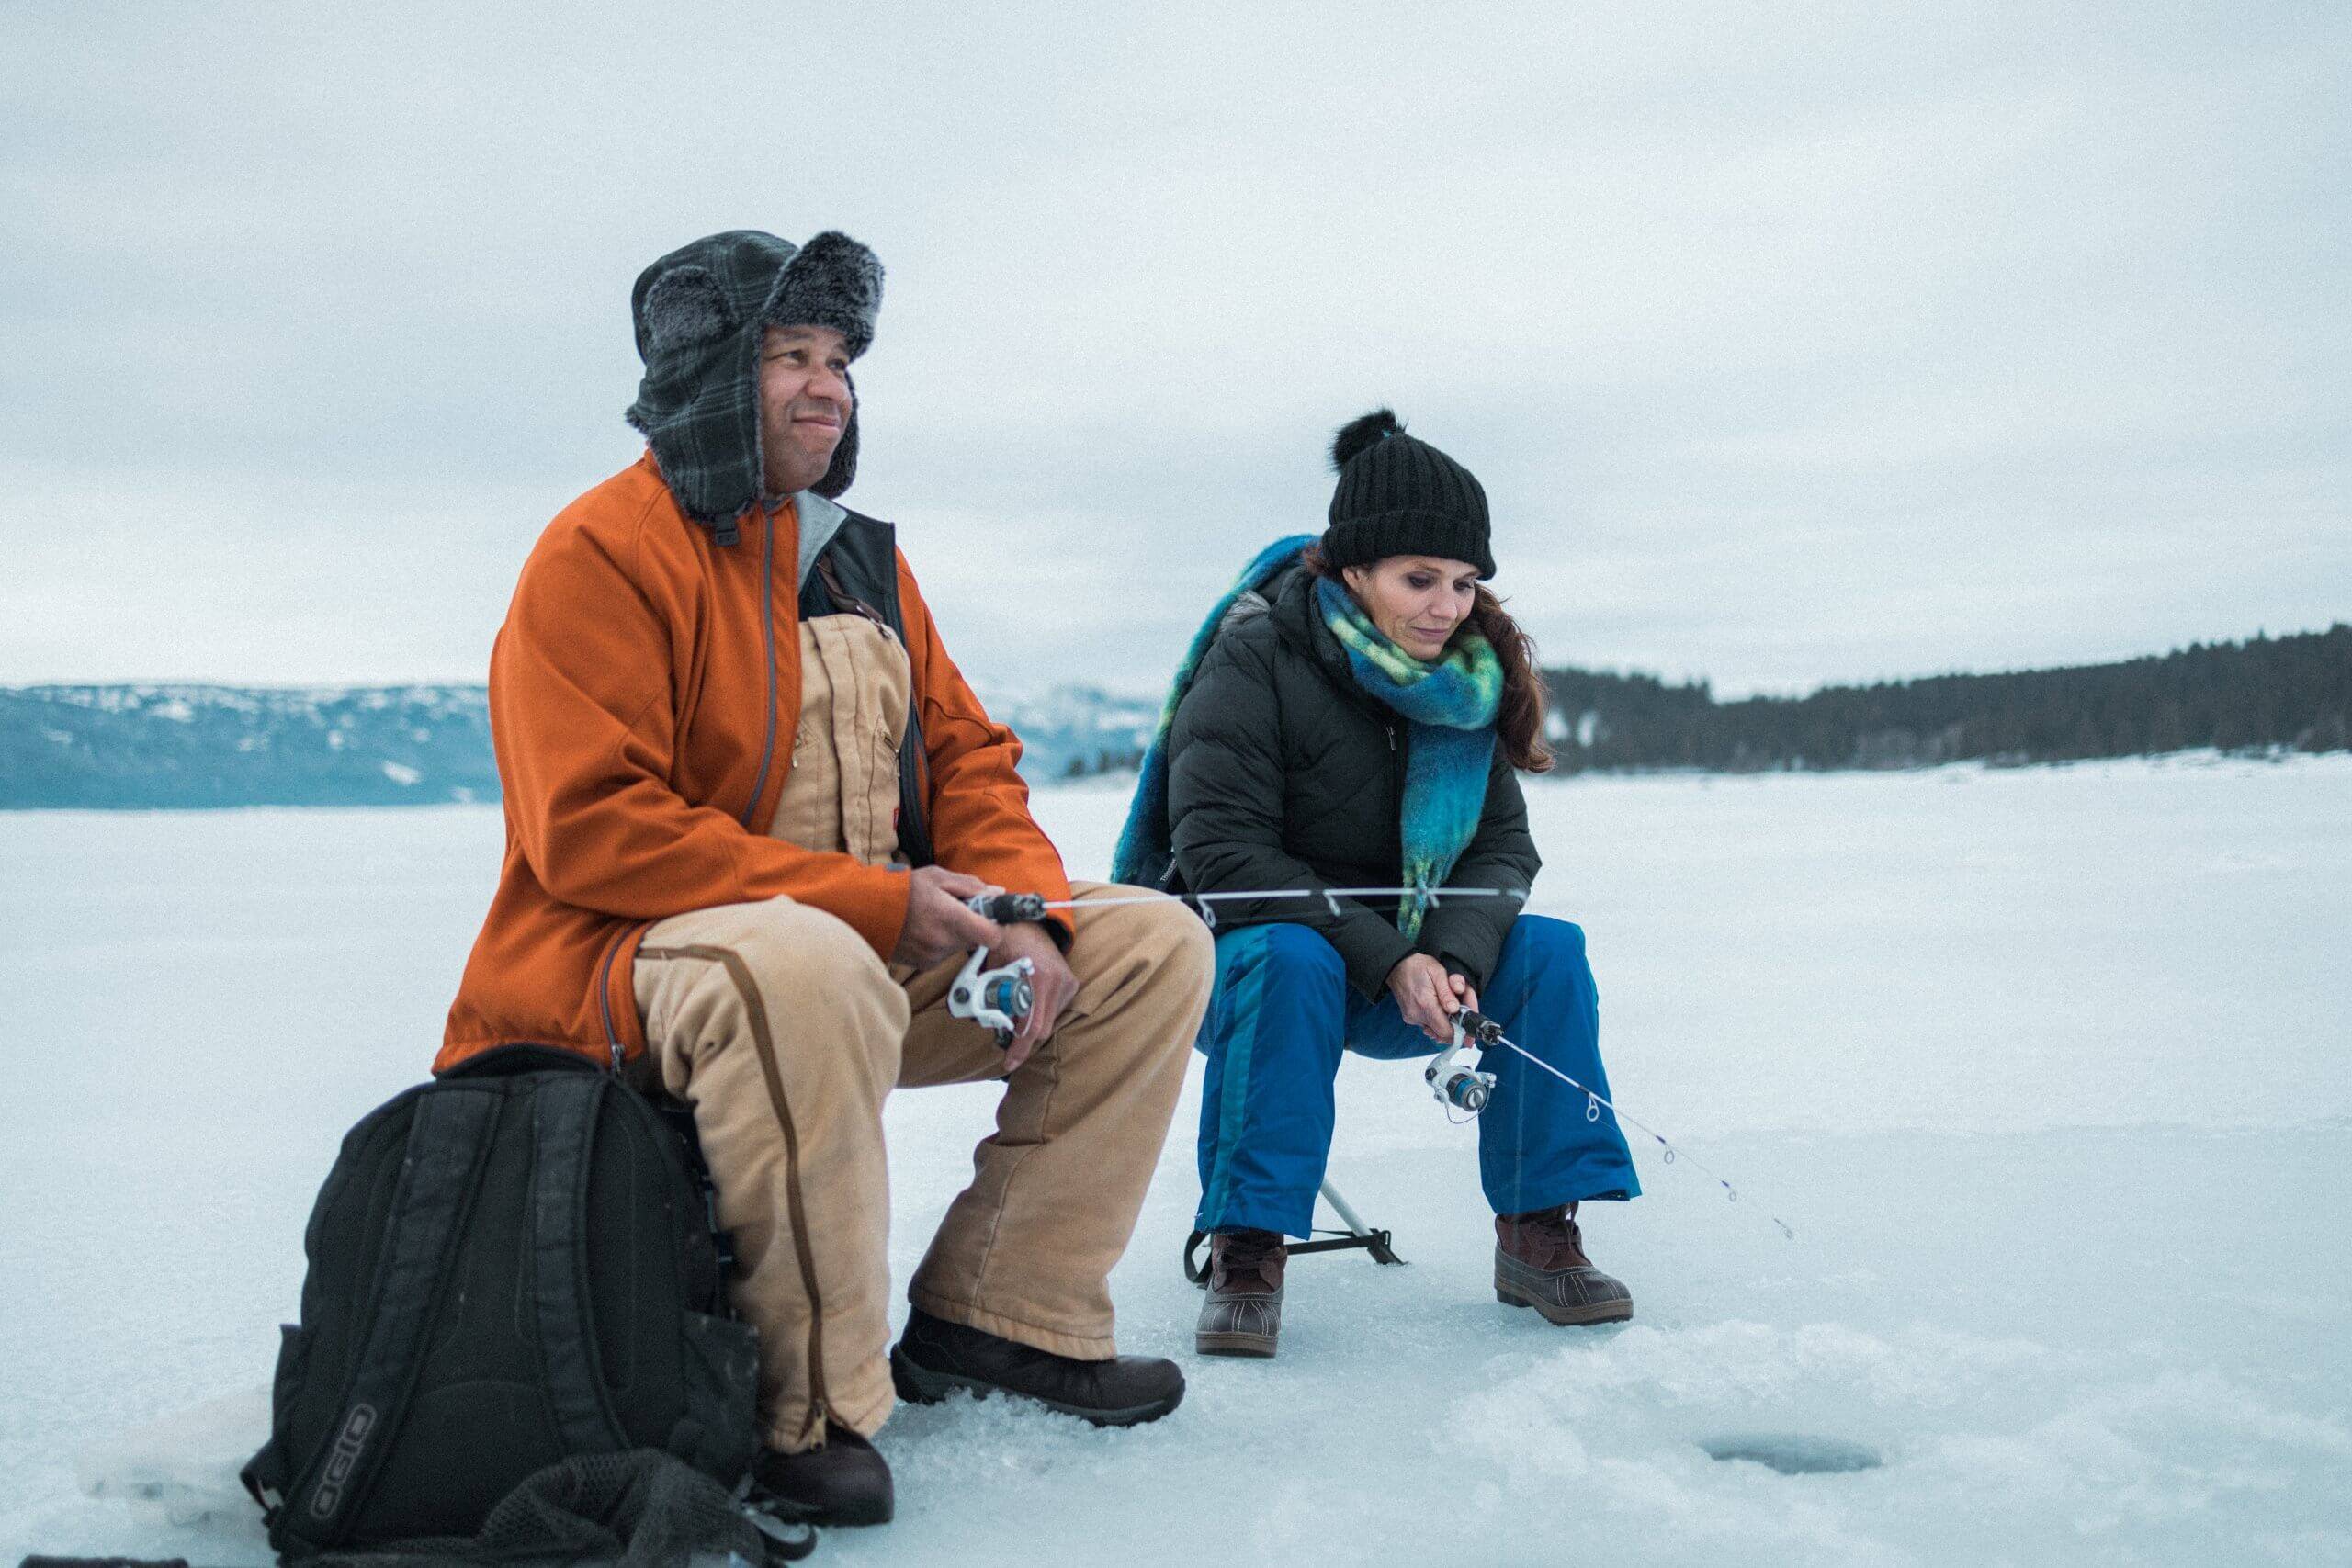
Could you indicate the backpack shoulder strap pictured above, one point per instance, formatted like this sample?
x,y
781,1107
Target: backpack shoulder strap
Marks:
x,y
440,1168
563,1132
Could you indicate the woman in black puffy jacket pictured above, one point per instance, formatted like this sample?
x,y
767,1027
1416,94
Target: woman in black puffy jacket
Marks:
x,y
1355,716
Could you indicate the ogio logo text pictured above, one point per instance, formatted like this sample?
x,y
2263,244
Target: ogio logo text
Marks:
x,y
348,1445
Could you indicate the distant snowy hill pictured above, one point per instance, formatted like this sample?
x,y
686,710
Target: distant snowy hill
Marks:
x,y
1068,730
181,746
165,746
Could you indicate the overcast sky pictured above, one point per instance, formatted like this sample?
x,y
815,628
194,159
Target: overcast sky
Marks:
x,y
1792,343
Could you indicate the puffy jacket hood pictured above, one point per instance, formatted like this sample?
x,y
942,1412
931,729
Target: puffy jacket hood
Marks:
x,y
699,312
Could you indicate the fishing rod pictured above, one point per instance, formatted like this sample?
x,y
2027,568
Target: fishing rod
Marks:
x,y
1008,908
998,999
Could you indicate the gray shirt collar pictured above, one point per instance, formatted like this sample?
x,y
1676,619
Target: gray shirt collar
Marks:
x,y
819,521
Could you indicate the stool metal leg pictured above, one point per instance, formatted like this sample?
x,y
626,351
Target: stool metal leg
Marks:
x,y
1357,1235
1340,1207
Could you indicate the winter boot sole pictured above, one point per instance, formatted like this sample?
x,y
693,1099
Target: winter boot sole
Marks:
x,y
1228,1343
1599,1311
856,1513
920,1385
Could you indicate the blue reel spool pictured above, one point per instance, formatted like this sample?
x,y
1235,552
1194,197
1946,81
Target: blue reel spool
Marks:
x,y
1464,1089
1011,995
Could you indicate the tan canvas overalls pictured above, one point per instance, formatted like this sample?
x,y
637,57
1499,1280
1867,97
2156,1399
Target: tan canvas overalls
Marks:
x,y
786,1033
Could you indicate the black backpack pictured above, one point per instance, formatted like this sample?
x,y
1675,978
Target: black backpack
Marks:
x,y
510,1266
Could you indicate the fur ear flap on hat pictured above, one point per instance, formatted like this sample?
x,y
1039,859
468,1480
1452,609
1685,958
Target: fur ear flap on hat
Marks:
x,y
831,281
1362,432
685,306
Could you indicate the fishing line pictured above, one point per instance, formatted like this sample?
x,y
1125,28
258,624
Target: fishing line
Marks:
x,y
1486,1032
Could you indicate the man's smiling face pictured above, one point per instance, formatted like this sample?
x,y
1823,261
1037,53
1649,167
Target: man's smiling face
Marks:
x,y
804,404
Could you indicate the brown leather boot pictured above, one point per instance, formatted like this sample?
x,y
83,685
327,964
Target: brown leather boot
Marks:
x,y
1244,1313
1540,1263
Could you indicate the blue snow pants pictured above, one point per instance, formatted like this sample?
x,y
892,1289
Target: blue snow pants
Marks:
x,y
1283,1012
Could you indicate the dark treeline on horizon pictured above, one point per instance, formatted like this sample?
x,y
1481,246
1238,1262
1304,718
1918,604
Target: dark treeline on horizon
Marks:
x,y
159,747
2292,691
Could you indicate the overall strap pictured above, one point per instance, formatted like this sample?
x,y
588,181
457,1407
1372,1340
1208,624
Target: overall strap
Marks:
x,y
857,574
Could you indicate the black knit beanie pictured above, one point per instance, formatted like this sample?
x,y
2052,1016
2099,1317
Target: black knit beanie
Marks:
x,y
1398,495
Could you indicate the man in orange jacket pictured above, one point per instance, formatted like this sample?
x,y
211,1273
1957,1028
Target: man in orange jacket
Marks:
x,y
747,794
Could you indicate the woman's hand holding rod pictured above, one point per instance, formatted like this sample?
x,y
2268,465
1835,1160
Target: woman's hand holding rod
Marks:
x,y
1429,995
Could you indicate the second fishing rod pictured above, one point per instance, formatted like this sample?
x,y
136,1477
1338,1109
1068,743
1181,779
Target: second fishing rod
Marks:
x,y
1000,999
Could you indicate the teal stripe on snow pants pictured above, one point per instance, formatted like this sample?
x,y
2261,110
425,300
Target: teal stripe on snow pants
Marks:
x,y
1283,1013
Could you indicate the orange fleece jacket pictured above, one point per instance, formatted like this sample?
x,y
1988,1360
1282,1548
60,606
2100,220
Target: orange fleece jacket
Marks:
x,y
629,705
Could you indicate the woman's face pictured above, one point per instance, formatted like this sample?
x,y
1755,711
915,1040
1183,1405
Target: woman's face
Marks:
x,y
1416,601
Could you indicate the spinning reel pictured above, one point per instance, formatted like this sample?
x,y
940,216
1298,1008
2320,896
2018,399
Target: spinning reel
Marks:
x,y
1451,1075
998,999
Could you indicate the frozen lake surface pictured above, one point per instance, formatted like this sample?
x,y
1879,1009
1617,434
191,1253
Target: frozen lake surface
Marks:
x,y
2049,1069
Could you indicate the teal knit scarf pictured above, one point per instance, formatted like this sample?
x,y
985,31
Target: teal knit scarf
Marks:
x,y
1449,703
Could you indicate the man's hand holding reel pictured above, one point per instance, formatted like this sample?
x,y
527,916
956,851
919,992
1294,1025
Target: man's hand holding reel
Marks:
x,y
1016,983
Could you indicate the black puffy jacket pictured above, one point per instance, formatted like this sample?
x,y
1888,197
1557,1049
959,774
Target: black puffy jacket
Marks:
x,y
1284,772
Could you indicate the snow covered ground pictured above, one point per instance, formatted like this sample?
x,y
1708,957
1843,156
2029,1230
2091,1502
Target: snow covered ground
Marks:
x,y
2050,1070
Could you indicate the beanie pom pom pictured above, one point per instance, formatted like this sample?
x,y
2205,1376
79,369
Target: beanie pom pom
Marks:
x,y
1362,432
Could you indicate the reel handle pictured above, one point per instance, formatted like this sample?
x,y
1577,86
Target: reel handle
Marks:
x,y
1008,909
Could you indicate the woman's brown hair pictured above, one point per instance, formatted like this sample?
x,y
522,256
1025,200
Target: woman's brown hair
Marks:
x,y
1518,716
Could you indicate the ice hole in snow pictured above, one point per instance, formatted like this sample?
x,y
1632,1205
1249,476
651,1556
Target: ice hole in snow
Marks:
x,y
1794,1453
